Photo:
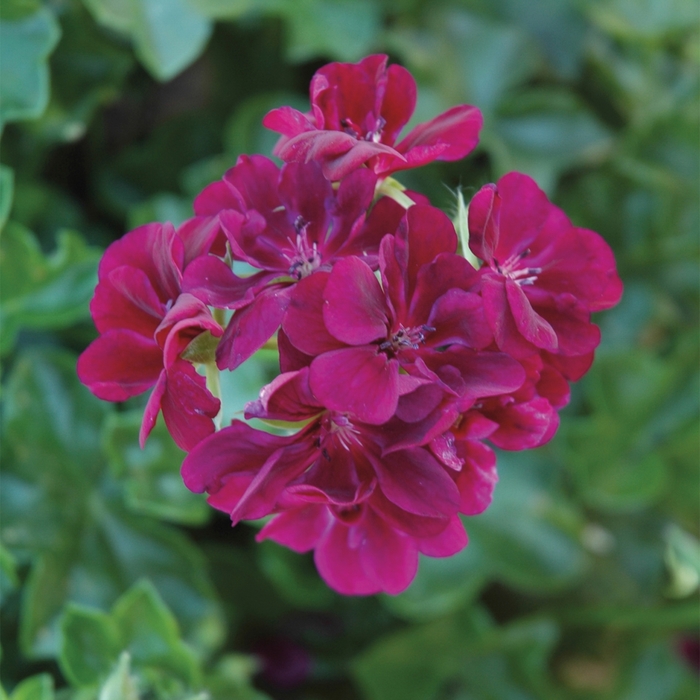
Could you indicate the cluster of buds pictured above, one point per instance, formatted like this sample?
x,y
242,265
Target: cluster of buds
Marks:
x,y
399,357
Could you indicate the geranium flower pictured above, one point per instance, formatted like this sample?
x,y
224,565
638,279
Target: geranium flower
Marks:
x,y
366,498
357,113
288,223
543,276
362,334
145,324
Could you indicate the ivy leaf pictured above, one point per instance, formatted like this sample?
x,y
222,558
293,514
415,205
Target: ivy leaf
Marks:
x,y
152,482
39,687
460,653
139,624
150,633
91,642
39,291
25,45
168,35
62,510
526,539
345,30
7,184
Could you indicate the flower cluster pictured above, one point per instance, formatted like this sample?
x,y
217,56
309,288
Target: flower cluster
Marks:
x,y
399,358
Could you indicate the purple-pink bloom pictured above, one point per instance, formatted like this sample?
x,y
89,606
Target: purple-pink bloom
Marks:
x,y
357,113
367,339
145,324
542,276
288,223
367,499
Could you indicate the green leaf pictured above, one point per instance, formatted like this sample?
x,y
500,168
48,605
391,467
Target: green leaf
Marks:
x,y
462,652
683,561
120,685
471,59
525,537
91,643
151,477
113,14
60,507
635,19
412,664
43,292
542,133
7,183
294,577
344,30
616,454
168,35
8,572
441,586
25,45
38,687
150,633
244,132
162,207
658,673
233,9
87,71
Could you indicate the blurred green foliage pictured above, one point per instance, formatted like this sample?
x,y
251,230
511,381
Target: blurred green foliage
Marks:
x,y
581,580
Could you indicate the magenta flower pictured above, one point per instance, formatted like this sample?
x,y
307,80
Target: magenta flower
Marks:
x,y
288,223
543,276
145,324
365,501
357,113
367,340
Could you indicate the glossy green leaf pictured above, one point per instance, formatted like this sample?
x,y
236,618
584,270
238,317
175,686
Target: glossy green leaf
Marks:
x,y
25,45
39,687
526,536
616,454
151,477
412,664
120,685
8,572
659,673
233,9
150,633
90,644
7,183
113,14
683,561
59,506
630,19
485,59
168,35
345,30
162,207
544,133
461,653
43,292
244,131
294,577
88,71
441,586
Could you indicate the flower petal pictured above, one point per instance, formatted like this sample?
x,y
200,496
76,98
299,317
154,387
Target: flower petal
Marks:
x,y
357,380
354,309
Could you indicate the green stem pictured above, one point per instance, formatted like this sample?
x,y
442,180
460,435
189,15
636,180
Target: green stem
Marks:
x,y
214,385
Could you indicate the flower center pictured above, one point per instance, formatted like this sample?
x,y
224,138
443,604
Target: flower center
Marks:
x,y
513,269
405,338
344,431
374,135
305,257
